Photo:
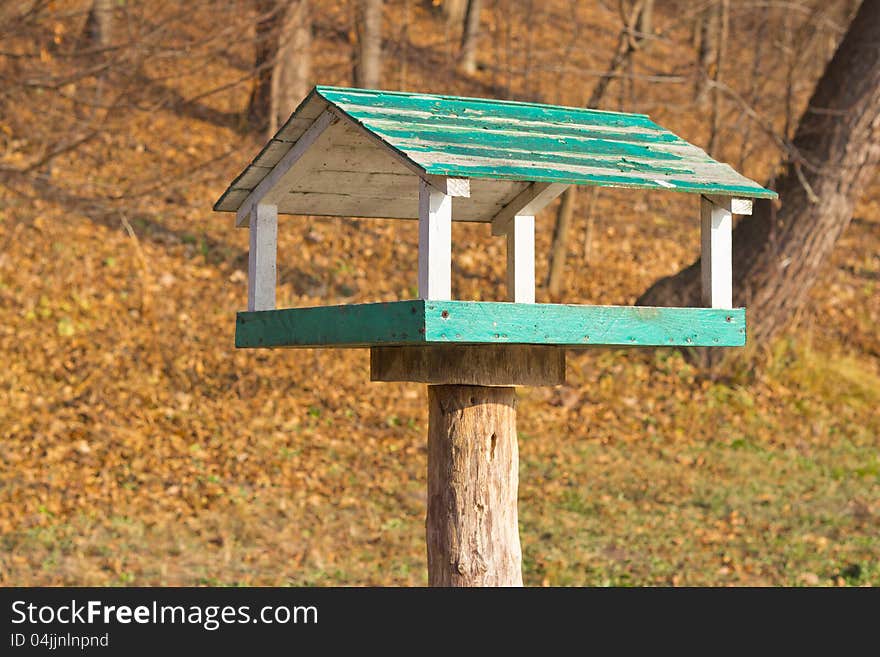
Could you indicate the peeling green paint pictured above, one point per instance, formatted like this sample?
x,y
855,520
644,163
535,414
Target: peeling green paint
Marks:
x,y
508,140
481,322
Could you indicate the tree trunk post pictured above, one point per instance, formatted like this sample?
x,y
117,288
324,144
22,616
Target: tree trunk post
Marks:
x,y
473,460
473,477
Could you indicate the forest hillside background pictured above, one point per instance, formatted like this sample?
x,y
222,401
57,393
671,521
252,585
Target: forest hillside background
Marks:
x,y
139,447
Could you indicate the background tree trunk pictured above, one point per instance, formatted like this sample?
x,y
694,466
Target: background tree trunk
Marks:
x,y
645,25
627,44
721,24
777,256
706,37
453,11
368,55
559,246
292,75
96,35
473,477
469,37
282,60
98,30
265,56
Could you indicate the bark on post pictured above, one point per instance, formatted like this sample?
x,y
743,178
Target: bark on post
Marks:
x,y
473,471
473,468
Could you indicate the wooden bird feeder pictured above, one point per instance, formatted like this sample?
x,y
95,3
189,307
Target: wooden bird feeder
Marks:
x,y
439,159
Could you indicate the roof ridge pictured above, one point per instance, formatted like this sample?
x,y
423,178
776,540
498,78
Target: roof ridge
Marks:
x,y
475,99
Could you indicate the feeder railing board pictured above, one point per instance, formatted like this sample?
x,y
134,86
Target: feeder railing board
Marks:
x,y
421,322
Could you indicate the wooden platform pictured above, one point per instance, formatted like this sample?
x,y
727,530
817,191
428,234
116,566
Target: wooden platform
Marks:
x,y
421,322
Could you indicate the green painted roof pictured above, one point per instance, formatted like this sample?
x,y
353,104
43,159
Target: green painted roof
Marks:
x,y
481,138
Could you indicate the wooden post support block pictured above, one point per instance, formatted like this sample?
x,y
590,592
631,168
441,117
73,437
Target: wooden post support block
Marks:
x,y
482,365
473,470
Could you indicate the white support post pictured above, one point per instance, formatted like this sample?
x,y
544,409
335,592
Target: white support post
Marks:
x,y
261,257
716,228
435,243
521,259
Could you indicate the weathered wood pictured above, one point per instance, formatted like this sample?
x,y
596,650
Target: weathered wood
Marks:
x,y
742,206
381,203
435,243
529,202
471,137
483,365
459,187
521,259
356,174
422,322
473,470
346,172
386,158
716,231
278,168
474,138
261,257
